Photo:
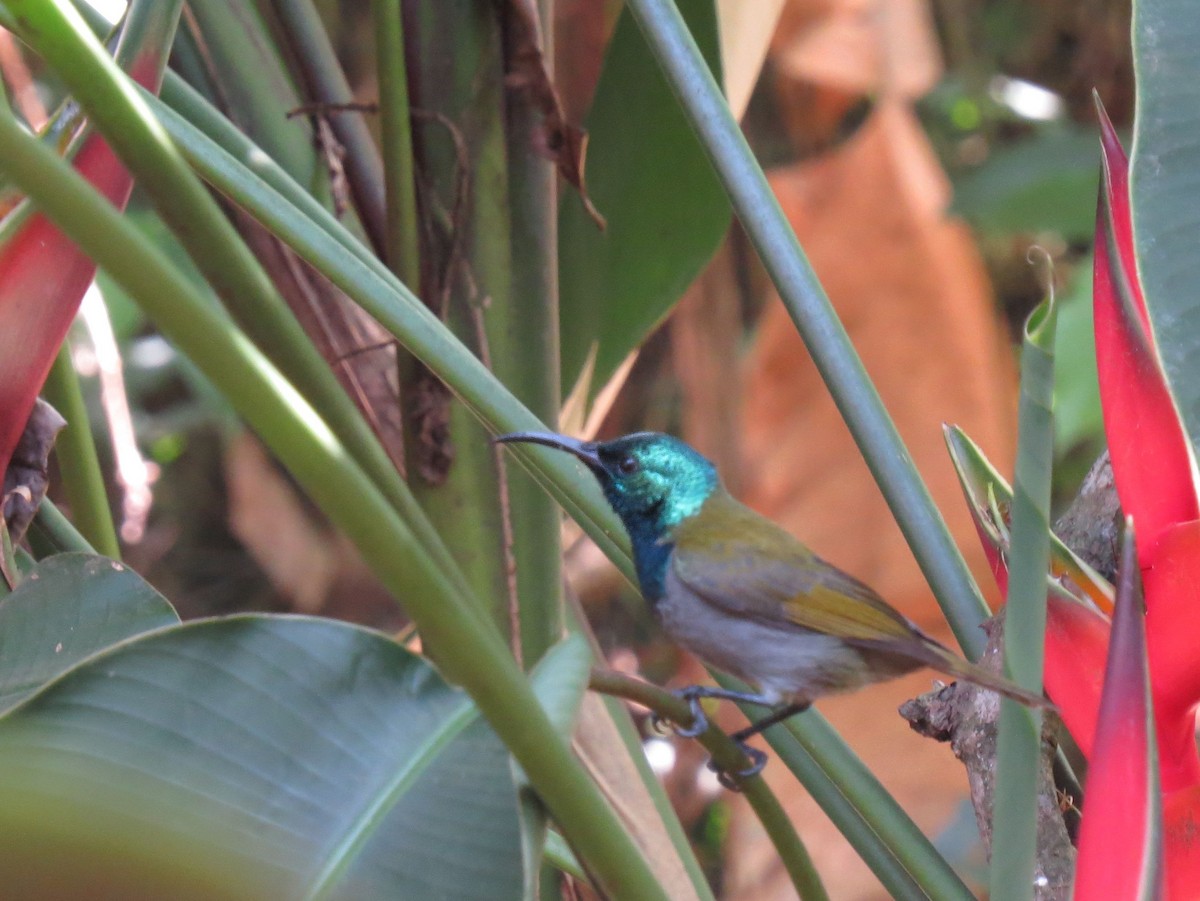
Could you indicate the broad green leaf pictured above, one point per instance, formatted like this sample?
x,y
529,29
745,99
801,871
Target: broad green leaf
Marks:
x,y
304,757
1165,192
665,209
70,607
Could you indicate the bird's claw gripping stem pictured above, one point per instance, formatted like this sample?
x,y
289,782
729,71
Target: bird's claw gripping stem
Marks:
x,y
699,718
732,781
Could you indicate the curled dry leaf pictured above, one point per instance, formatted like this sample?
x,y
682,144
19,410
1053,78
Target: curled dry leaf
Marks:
x,y
27,476
557,140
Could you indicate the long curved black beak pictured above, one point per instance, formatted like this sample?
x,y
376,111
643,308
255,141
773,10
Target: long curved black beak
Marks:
x,y
585,451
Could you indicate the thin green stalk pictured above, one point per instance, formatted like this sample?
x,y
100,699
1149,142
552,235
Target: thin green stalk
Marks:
x,y
471,654
895,833
809,307
560,856
328,86
882,861
458,80
255,86
402,245
55,533
9,559
1019,743
532,369
82,479
729,758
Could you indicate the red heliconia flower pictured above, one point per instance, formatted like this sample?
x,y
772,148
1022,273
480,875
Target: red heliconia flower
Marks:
x,y
1142,810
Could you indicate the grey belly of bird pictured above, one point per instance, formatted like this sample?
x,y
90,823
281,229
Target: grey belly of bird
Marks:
x,y
785,662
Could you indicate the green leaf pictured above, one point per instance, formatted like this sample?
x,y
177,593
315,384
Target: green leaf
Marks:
x,y
650,178
560,680
303,756
70,607
1019,742
1044,183
1077,417
1164,191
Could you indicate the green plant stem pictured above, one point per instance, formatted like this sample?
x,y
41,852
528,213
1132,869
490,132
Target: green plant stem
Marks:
x,y
809,307
881,859
255,88
328,86
729,758
471,654
51,528
560,856
458,77
83,482
402,248
532,371
844,774
1019,743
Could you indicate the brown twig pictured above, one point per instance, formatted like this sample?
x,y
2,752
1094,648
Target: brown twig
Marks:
x,y
967,717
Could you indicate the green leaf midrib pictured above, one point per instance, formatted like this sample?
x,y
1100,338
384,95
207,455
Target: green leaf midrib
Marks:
x,y
373,815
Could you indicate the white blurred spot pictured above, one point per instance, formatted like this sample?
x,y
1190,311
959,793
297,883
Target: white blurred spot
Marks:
x,y
707,782
660,753
150,352
1026,99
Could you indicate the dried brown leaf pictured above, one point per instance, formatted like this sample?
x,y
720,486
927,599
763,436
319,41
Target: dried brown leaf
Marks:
x,y
559,141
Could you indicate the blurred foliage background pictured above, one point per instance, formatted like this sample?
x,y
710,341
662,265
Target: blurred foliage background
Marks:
x,y
920,148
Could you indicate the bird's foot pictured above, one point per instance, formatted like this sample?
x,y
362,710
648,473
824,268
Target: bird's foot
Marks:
x,y
733,781
692,694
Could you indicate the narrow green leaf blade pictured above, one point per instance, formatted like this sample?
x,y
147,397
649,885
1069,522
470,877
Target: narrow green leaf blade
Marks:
x,y
1014,831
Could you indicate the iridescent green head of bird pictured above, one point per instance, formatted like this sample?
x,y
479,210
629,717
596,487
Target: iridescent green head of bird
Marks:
x,y
652,481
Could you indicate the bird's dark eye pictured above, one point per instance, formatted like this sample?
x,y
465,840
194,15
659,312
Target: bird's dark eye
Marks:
x,y
628,466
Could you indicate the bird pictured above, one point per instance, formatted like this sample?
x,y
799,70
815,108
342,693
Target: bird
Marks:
x,y
746,596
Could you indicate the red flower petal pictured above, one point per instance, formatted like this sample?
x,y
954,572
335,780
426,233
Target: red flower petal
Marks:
x,y
1076,647
1120,841
43,275
1172,623
1140,420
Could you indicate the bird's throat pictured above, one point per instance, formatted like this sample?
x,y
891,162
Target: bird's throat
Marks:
x,y
651,555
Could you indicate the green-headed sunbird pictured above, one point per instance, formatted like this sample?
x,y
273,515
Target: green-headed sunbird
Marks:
x,y
744,595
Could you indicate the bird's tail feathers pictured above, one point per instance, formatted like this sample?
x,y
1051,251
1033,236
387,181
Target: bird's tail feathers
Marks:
x,y
946,661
